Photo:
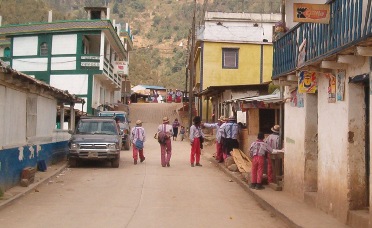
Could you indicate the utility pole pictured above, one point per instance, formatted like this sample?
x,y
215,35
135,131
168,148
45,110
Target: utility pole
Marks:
x,y
192,67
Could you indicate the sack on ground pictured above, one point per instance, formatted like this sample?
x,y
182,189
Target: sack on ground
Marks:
x,y
162,137
139,144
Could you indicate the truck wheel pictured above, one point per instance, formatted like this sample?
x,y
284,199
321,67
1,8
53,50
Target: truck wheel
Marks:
x,y
115,162
73,162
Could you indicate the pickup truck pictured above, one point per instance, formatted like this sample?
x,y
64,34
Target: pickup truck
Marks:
x,y
95,138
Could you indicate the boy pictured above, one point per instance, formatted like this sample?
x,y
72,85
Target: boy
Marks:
x,y
258,151
182,133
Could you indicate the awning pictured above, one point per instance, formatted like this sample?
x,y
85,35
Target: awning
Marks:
x,y
215,90
271,98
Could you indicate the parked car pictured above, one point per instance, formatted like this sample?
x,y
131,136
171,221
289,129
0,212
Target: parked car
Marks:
x,y
95,138
124,125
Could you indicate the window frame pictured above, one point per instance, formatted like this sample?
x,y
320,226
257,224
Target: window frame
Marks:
x,y
230,50
44,49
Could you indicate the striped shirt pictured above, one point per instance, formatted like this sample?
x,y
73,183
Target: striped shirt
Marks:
x,y
167,128
259,148
273,141
195,132
217,126
137,133
230,130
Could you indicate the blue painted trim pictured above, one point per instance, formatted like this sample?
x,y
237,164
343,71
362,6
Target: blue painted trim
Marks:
x,y
12,162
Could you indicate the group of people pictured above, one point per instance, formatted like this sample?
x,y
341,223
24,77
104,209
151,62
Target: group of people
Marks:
x,y
174,96
170,131
227,133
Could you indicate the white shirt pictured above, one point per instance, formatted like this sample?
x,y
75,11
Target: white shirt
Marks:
x,y
230,130
217,126
167,128
137,133
195,132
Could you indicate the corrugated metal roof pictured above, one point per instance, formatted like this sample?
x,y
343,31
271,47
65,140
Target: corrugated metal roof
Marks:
x,y
271,98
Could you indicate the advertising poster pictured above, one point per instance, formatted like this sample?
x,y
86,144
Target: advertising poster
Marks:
x,y
312,13
331,88
341,75
307,82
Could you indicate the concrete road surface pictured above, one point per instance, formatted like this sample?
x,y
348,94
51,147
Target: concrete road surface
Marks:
x,y
143,195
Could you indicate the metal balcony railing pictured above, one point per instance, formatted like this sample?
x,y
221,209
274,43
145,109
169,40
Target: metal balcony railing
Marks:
x,y
350,23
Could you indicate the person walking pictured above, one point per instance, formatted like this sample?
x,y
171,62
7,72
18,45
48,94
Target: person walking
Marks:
x,y
182,133
165,131
273,141
138,137
230,133
258,150
219,154
175,126
196,140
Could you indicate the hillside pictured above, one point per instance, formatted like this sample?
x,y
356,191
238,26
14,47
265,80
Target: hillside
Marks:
x,y
160,28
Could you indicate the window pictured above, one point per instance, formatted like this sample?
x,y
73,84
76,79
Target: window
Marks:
x,y
7,52
230,58
43,49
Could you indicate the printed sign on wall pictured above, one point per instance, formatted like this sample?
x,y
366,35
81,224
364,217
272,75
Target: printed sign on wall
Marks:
x,y
313,13
331,88
307,82
341,75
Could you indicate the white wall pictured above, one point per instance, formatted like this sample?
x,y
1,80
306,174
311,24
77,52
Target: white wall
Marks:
x,y
25,46
13,117
75,84
46,116
64,44
30,64
63,63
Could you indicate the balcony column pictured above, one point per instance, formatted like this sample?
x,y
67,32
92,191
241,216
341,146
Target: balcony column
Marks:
x,y
62,116
72,117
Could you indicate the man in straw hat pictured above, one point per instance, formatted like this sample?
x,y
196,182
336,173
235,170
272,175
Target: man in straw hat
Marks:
x,y
138,138
273,141
221,120
165,147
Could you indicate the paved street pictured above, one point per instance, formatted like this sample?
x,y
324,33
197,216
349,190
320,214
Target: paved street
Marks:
x,y
145,195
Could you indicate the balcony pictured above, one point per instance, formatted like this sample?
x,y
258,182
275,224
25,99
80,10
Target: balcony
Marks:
x,y
350,26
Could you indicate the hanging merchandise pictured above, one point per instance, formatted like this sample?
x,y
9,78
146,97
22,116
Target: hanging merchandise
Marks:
x,y
341,75
307,82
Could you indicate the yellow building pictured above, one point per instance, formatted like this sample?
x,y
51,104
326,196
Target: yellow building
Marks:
x,y
234,56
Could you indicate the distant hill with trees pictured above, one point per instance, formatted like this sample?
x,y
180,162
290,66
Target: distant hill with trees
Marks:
x,y
160,28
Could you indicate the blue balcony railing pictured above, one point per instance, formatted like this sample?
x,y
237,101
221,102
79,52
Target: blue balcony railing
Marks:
x,y
350,23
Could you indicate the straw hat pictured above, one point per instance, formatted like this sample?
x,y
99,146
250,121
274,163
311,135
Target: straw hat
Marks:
x,y
222,118
165,120
232,118
138,122
275,129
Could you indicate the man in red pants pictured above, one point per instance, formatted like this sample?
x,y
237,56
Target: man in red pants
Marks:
x,y
221,120
258,151
196,135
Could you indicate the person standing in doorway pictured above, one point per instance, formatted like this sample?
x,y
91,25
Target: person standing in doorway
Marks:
x,y
273,141
166,147
258,151
221,120
175,126
196,140
138,134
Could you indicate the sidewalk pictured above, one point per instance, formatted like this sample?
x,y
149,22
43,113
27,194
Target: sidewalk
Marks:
x,y
15,193
294,212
